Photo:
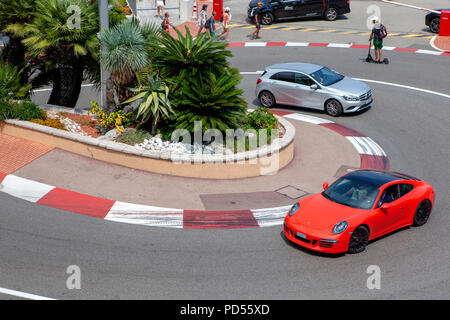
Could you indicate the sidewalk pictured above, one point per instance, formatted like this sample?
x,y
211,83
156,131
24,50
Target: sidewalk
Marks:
x,y
442,43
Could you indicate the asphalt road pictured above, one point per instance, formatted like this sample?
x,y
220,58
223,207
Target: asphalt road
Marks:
x,y
123,261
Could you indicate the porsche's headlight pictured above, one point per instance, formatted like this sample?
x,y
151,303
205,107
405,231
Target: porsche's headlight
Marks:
x,y
340,227
294,209
351,98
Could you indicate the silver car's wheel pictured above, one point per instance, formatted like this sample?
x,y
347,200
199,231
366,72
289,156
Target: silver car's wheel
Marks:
x,y
331,14
267,99
333,108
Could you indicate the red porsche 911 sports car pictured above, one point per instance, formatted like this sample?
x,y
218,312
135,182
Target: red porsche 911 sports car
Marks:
x,y
360,206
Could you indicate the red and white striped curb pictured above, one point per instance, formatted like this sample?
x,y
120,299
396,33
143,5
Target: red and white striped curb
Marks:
x,y
372,156
333,45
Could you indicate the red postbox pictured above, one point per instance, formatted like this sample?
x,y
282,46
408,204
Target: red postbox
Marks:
x,y
444,25
218,8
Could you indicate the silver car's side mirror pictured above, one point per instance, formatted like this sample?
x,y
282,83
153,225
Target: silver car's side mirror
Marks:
x,y
314,87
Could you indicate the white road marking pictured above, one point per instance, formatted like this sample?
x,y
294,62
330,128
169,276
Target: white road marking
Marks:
x,y
24,189
405,87
145,215
366,145
252,72
50,89
307,118
23,294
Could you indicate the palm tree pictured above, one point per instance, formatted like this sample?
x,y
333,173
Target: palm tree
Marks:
x,y
155,103
49,34
123,52
214,101
185,58
16,12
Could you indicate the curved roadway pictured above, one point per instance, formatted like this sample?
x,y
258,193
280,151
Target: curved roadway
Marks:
x,y
117,260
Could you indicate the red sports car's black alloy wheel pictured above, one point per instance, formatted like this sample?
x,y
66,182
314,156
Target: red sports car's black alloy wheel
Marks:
x,y
358,240
422,213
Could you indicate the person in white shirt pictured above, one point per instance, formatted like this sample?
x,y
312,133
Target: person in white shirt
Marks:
x,y
202,19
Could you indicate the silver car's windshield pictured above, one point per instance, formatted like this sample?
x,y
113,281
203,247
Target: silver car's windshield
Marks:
x,y
326,77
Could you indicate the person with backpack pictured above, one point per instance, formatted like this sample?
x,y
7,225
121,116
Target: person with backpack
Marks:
x,y
256,14
202,19
379,32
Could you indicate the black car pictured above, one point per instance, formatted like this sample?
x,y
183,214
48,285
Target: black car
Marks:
x,y
433,19
277,10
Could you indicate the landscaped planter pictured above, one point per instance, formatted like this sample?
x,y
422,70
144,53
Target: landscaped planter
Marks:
x,y
262,161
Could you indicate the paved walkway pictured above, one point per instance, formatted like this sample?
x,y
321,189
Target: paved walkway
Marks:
x,y
442,43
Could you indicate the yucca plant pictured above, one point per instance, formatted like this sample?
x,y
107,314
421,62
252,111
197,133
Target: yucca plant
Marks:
x,y
184,58
123,52
155,102
215,101
49,34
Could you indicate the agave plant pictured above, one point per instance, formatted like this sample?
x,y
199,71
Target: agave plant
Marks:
x,y
216,102
185,58
155,102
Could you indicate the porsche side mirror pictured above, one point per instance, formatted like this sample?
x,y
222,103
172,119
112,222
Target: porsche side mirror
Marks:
x,y
314,87
385,207
325,185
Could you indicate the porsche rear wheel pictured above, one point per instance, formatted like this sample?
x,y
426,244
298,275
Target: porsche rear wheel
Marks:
x,y
358,240
422,213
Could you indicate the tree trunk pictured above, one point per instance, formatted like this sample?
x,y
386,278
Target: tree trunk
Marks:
x,y
15,56
71,77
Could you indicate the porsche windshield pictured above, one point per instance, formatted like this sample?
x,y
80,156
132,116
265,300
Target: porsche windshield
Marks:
x,y
352,192
326,77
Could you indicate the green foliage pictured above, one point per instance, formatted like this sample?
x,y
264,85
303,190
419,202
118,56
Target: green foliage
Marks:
x,y
133,137
49,29
155,101
261,118
10,86
184,58
23,110
116,16
123,50
108,121
215,101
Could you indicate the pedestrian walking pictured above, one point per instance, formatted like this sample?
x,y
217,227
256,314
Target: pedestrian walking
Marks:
x,y
211,25
160,5
202,19
256,12
226,23
379,32
166,23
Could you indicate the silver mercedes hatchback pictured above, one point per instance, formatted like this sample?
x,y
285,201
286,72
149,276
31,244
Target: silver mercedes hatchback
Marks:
x,y
312,86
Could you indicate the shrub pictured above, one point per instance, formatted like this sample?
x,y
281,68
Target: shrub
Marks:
x,y
50,122
216,102
108,121
261,118
21,110
10,86
133,137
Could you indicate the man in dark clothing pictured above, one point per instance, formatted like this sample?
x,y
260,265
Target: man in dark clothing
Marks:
x,y
256,15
